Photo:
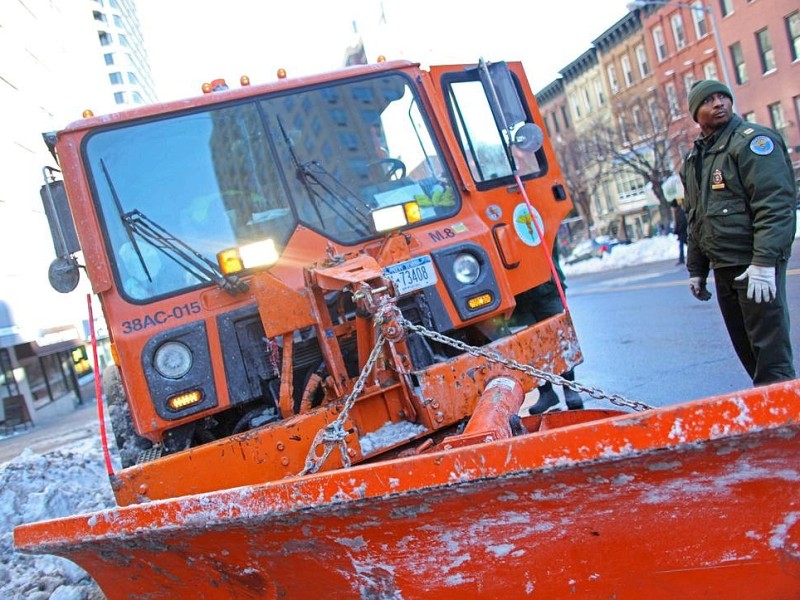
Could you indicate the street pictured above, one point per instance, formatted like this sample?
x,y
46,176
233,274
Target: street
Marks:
x,y
642,333
645,336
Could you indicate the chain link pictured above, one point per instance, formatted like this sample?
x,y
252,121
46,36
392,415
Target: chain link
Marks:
x,y
334,433
495,357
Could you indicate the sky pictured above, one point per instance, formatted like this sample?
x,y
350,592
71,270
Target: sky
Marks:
x,y
72,479
190,43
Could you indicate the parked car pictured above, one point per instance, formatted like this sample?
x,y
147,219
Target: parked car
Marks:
x,y
592,248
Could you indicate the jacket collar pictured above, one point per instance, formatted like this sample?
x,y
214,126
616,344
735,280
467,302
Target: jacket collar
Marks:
x,y
718,140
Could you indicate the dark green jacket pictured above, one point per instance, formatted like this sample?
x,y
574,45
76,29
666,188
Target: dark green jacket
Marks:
x,y
740,198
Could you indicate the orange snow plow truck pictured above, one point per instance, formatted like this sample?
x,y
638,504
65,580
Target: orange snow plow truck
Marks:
x,y
315,291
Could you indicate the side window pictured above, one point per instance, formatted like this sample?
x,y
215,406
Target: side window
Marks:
x,y
480,140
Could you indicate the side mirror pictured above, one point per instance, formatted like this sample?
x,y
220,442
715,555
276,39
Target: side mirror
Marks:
x,y
500,89
64,274
59,217
529,137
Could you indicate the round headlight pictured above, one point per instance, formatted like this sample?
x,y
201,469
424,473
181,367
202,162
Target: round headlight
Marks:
x,y
173,360
466,268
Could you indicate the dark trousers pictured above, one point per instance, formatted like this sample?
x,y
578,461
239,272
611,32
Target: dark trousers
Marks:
x,y
544,302
759,331
681,256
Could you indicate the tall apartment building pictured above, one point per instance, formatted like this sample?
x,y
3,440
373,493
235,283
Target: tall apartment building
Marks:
x,y
120,40
660,50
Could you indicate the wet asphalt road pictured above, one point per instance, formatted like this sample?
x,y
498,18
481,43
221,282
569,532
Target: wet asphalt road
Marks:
x,y
646,337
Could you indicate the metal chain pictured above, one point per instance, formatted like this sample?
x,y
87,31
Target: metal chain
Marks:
x,y
334,433
495,357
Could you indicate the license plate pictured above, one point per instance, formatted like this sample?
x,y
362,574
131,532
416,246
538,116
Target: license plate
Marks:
x,y
412,275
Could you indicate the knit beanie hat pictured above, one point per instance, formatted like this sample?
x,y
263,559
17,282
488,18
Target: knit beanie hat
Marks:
x,y
703,89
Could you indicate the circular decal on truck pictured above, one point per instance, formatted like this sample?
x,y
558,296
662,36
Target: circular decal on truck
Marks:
x,y
524,226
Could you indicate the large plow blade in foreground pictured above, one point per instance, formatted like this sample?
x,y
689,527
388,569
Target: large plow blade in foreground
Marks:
x,y
699,500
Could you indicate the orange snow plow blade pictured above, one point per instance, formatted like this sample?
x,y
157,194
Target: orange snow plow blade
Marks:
x,y
696,500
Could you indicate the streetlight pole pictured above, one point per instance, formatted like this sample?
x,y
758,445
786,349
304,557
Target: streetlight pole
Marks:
x,y
706,9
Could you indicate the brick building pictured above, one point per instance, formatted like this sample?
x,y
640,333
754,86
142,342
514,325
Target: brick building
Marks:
x,y
657,52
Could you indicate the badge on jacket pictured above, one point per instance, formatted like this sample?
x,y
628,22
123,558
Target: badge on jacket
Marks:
x,y
717,182
762,145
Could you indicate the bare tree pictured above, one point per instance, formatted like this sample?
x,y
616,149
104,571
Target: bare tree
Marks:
x,y
646,139
580,170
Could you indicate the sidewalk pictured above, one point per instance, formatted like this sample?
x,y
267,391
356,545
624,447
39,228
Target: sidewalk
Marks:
x,y
53,432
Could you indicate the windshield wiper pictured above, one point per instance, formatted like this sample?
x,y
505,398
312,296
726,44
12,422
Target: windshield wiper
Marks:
x,y
180,252
136,223
315,177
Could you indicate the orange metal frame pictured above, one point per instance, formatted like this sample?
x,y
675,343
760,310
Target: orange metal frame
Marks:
x,y
694,501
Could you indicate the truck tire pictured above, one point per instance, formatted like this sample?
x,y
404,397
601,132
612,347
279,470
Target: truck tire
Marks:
x,y
130,445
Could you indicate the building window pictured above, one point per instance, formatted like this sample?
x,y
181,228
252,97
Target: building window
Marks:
x,y
777,119
116,78
612,79
118,22
598,90
726,6
105,38
672,99
750,117
627,71
123,41
565,116
637,120
132,79
688,81
739,68
576,105
119,98
793,31
109,58
641,57
587,100
137,98
623,128
99,17
654,113
554,117
660,44
699,18
677,32
710,70
765,51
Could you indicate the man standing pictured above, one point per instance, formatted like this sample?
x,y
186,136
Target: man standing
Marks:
x,y
680,228
740,206
538,304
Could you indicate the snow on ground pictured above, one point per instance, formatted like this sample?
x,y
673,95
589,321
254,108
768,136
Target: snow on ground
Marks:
x,y
663,247
73,480
36,487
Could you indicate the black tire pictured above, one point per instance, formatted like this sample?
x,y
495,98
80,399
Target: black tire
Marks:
x,y
129,443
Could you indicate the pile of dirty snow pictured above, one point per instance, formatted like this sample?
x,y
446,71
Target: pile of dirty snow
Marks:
x,y
36,487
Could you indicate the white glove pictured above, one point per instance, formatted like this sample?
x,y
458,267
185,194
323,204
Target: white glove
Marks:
x,y
697,285
760,283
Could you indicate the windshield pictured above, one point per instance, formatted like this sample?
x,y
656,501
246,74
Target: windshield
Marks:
x,y
238,173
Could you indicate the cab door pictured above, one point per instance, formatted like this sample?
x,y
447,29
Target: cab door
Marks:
x,y
498,139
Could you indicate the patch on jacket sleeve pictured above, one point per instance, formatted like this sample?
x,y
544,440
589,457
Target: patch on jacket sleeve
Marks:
x,y
762,145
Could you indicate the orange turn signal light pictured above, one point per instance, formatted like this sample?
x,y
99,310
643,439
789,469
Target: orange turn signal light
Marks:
x,y
87,113
281,73
479,301
185,400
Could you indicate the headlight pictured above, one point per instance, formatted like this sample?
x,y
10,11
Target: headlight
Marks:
x,y
173,360
466,268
